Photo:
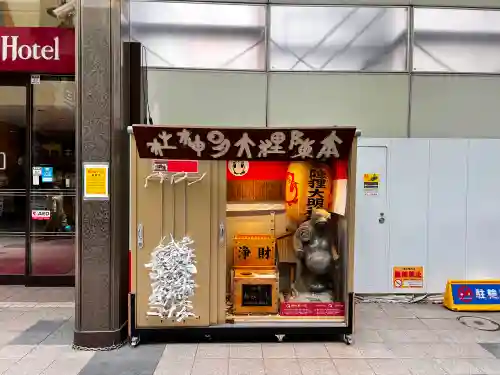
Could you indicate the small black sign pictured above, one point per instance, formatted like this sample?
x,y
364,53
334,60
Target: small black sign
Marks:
x,y
257,295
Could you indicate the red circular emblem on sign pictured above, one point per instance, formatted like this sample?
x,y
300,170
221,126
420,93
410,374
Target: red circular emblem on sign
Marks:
x,y
465,294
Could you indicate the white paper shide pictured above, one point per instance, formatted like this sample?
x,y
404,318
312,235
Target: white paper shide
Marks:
x,y
173,266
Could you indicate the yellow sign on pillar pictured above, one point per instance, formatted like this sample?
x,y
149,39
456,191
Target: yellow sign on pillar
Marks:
x,y
95,181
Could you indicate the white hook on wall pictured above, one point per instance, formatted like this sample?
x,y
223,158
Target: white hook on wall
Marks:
x,y
197,180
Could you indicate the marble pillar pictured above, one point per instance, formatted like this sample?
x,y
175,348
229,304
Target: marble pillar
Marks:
x,y
102,230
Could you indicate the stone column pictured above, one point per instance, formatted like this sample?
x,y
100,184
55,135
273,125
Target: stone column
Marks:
x,y
101,283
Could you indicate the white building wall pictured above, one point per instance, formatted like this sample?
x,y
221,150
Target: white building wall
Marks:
x,y
442,212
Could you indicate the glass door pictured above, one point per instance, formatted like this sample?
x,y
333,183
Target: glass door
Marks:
x,y
52,193
14,96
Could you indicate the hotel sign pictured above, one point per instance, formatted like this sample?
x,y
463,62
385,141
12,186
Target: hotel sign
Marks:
x,y
49,50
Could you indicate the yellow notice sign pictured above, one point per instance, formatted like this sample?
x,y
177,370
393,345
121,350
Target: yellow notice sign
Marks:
x,y
95,181
371,183
371,178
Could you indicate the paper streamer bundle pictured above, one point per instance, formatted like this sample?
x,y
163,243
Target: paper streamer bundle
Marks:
x,y
173,266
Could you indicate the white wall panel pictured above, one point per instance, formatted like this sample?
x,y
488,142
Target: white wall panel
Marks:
x,y
452,3
298,99
344,2
209,98
447,220
371,266
483,210
455,106
408,173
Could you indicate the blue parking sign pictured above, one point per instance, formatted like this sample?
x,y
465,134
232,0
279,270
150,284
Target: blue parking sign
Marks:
x,y
47,174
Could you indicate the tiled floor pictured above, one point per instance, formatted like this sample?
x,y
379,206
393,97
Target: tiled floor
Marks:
x,y
36,331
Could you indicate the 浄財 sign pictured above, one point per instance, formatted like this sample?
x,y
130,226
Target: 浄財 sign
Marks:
x,y
202,143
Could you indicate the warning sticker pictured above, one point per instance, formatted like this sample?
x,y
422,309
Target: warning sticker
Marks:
x,y
371,183
408,277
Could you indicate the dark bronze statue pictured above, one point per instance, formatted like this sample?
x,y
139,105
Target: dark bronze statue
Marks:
x,y
315,248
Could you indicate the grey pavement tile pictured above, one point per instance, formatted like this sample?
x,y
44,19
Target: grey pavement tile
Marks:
x,y
423,366
181,367
451,350
492,348
311,350
37,333
133,361
6,316
283,350
406,324
392,366
317,367
487,366
282,366
248,366
408,336
373,308
36,361
213,350
62,336
459,337
210,366
352,367
432,311
444,324
179,353
341,350
7,291
411,350
50,313
398,311
488,337
15,351
52,294
370,310
29,338
5,364
367,335
245,351
375,350
372,323
66,366
458,366
7,336
22,323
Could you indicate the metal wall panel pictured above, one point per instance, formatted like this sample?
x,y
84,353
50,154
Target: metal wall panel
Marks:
x,y
447,213
483,207
184,97
455,106
341,99
343,2
458,3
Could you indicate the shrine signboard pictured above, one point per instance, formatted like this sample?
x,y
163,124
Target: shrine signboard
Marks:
x,y
202,143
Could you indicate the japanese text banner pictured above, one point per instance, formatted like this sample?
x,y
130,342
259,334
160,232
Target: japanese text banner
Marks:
x,y
201,143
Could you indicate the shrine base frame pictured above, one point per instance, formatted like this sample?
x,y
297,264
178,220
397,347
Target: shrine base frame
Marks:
x,y
251,332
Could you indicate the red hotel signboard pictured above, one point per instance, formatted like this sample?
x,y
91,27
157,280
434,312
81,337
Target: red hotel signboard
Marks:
x,y
49,50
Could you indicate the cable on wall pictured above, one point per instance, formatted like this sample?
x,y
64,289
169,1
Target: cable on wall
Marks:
x,y
402,299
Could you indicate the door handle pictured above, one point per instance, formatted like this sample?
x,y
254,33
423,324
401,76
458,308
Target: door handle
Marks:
x,y
3,164
222,233
140,236
381,219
